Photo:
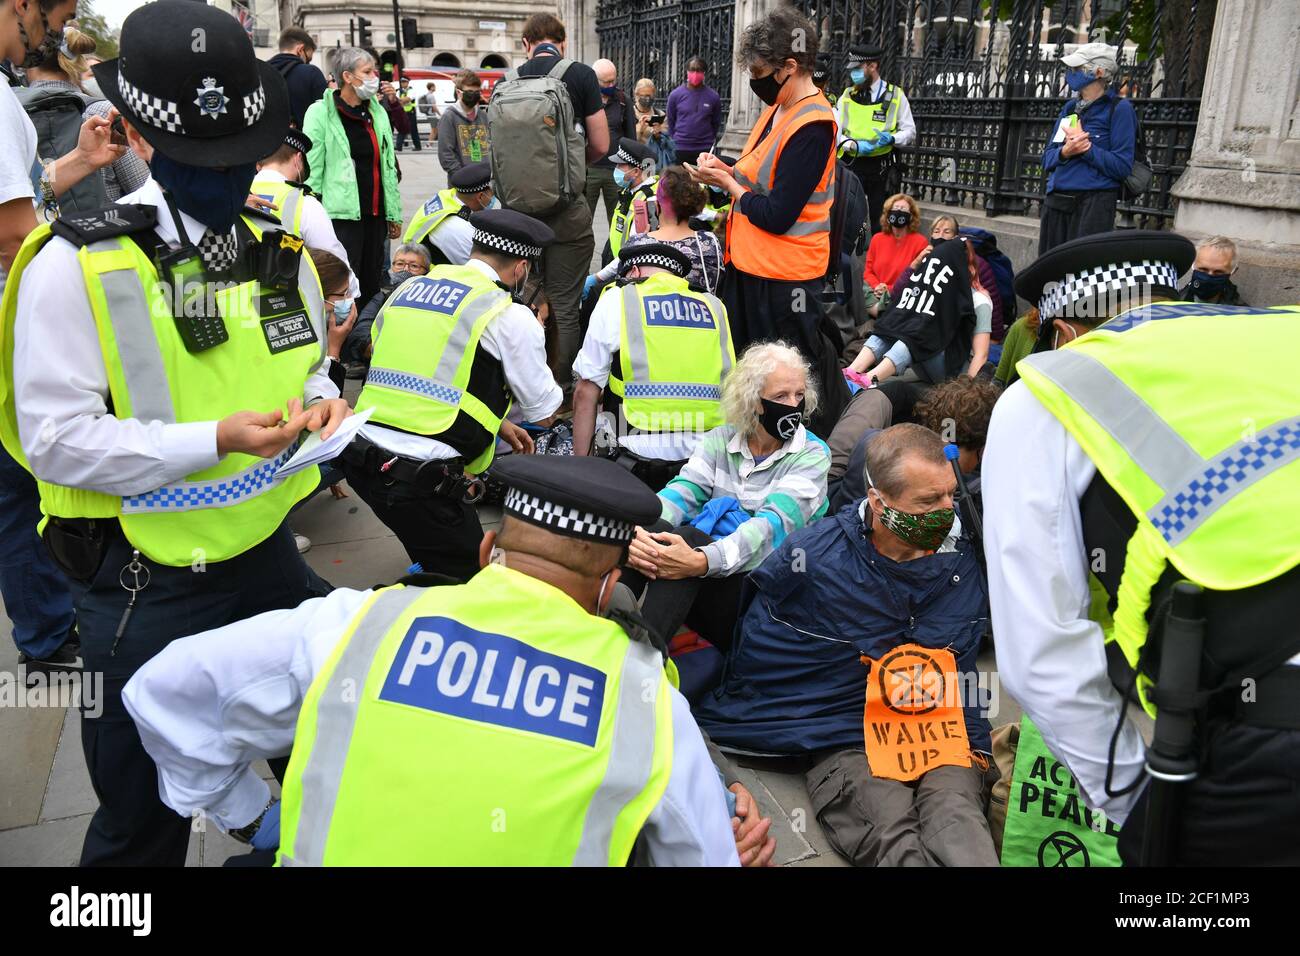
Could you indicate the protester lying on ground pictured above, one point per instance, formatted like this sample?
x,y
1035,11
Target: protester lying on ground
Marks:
x,y
958,411
886,584
939,324
898,243
749,484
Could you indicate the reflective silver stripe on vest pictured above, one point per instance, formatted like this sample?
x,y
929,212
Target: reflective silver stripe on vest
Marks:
x,y
142,364
765,170
1189,504
809,228
639,358
336,718
636,350
1163,454
493,301
631,755
314,302
288,212
215,493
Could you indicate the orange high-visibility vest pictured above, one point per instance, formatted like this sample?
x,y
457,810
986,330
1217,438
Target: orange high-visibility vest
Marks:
x,y
802,251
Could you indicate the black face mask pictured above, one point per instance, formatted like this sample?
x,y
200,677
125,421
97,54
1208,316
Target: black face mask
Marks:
x,y
213,197
899,220
781,421
937,241
470,98
766,88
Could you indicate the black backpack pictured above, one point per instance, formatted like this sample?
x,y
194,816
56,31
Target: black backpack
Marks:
x,y
848,219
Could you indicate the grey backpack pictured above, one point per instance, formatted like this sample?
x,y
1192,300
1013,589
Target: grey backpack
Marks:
x,y
538,156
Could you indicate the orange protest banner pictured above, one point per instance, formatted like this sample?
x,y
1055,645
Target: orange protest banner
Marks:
x,y
913,719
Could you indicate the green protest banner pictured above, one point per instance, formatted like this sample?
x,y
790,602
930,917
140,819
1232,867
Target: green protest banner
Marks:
x,y
1048,823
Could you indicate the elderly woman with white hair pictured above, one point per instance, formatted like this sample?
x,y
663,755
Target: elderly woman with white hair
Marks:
x,y
1090,153
353,167
748,485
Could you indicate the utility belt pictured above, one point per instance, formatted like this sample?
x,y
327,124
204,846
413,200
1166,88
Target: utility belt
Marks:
x,y
79,545
442,477
655,473
1274,703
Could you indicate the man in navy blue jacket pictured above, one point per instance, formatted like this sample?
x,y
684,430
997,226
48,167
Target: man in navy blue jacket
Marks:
x,y
306,83
1090,153
823,616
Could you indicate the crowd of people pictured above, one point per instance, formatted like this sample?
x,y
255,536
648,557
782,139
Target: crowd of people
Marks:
x,y
731,522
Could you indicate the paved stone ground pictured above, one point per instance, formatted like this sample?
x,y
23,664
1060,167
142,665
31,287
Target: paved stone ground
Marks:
x,y
45,794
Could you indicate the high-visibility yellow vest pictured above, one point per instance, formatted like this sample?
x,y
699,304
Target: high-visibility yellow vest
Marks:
x,y
494,723
674,350
623,221
1212,474
426,338
222,511
288,198
869,120
444,204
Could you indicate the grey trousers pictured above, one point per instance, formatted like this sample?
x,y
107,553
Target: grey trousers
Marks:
x,y
937,820
565,264
600,182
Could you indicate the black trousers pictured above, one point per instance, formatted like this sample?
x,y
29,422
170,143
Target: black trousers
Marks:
x,y
870,170
132,826
441,533
708,605
364,239
1243,809
1067,216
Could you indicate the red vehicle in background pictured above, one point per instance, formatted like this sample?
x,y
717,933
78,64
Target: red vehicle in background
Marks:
x,y
443,79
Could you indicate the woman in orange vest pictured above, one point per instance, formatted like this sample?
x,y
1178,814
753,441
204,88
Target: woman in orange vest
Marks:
x,y
782,187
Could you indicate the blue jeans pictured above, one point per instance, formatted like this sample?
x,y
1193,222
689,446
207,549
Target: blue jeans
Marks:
x,y
34,589
901,356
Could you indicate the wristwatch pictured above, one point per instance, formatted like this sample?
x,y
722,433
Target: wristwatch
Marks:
x,y
246,833
47,186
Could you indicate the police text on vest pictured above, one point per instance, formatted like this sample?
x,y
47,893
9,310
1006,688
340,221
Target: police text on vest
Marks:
x,y
445,666
435,295
680,311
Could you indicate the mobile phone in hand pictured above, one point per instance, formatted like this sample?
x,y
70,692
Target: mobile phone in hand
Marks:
x,y
118,137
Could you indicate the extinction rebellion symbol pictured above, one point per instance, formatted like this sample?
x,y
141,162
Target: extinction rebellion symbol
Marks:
x,y
1062,848
911,682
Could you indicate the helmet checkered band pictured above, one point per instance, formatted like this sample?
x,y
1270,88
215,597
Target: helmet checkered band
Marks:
x,y
569,521
152,110
1109,278
623,156
476,188
655,259
520,250
254,104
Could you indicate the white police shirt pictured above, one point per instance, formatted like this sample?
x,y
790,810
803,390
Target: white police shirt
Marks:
x,y
317,230
906,133
604,335
454,236
516,338
61,386
210,705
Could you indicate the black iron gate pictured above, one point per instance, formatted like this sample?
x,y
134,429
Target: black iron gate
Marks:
x,y
986,89
656,38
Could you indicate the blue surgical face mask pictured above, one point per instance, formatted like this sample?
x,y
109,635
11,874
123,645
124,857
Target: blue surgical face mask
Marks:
x,y
858,77
620,178
213,197
494,203
1078,79
342,309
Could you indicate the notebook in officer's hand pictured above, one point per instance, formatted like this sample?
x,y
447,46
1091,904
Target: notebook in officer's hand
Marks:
x,y
314,451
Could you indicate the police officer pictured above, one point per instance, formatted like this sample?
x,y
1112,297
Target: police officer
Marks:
x,y
821,76
874,117
156,344
507,721
280,181
442,223
450,350
672,347
634,172
1111,471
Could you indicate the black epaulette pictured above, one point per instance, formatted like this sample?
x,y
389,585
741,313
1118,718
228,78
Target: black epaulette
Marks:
x,y
256,212
637,628
306,190
117,219
421,579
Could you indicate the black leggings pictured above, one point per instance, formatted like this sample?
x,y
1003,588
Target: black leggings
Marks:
x,y
708,605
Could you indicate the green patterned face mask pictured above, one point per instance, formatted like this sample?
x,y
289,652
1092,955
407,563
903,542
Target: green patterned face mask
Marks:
x,y
925,531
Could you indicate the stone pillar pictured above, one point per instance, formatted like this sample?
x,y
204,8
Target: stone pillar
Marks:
x,y
1243,178
579,19
745,106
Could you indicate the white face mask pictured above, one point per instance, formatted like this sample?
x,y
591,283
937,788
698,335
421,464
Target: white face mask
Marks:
x,y
600,598
368,88
1056,338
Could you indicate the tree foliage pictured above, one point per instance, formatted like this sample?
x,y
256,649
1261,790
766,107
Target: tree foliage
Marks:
x,y
93,24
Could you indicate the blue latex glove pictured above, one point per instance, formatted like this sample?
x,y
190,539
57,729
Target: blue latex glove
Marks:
x,y
885,139
588,286
866,145
267,836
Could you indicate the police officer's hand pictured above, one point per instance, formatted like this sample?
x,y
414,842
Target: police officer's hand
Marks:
x,y
327,415
264,434
394,230
753,844
520,442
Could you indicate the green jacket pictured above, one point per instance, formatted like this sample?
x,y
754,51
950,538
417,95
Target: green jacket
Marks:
x,y
333,174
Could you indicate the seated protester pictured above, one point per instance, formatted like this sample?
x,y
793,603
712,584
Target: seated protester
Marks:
x,y
888,580
749,484
898,243
870,409
958,410
1212,272
945,227
634,174
409,259
671,347
442,224
1019,343
941,322
680,199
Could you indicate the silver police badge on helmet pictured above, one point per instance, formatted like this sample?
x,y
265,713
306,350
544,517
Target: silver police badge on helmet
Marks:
x,y
211,99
